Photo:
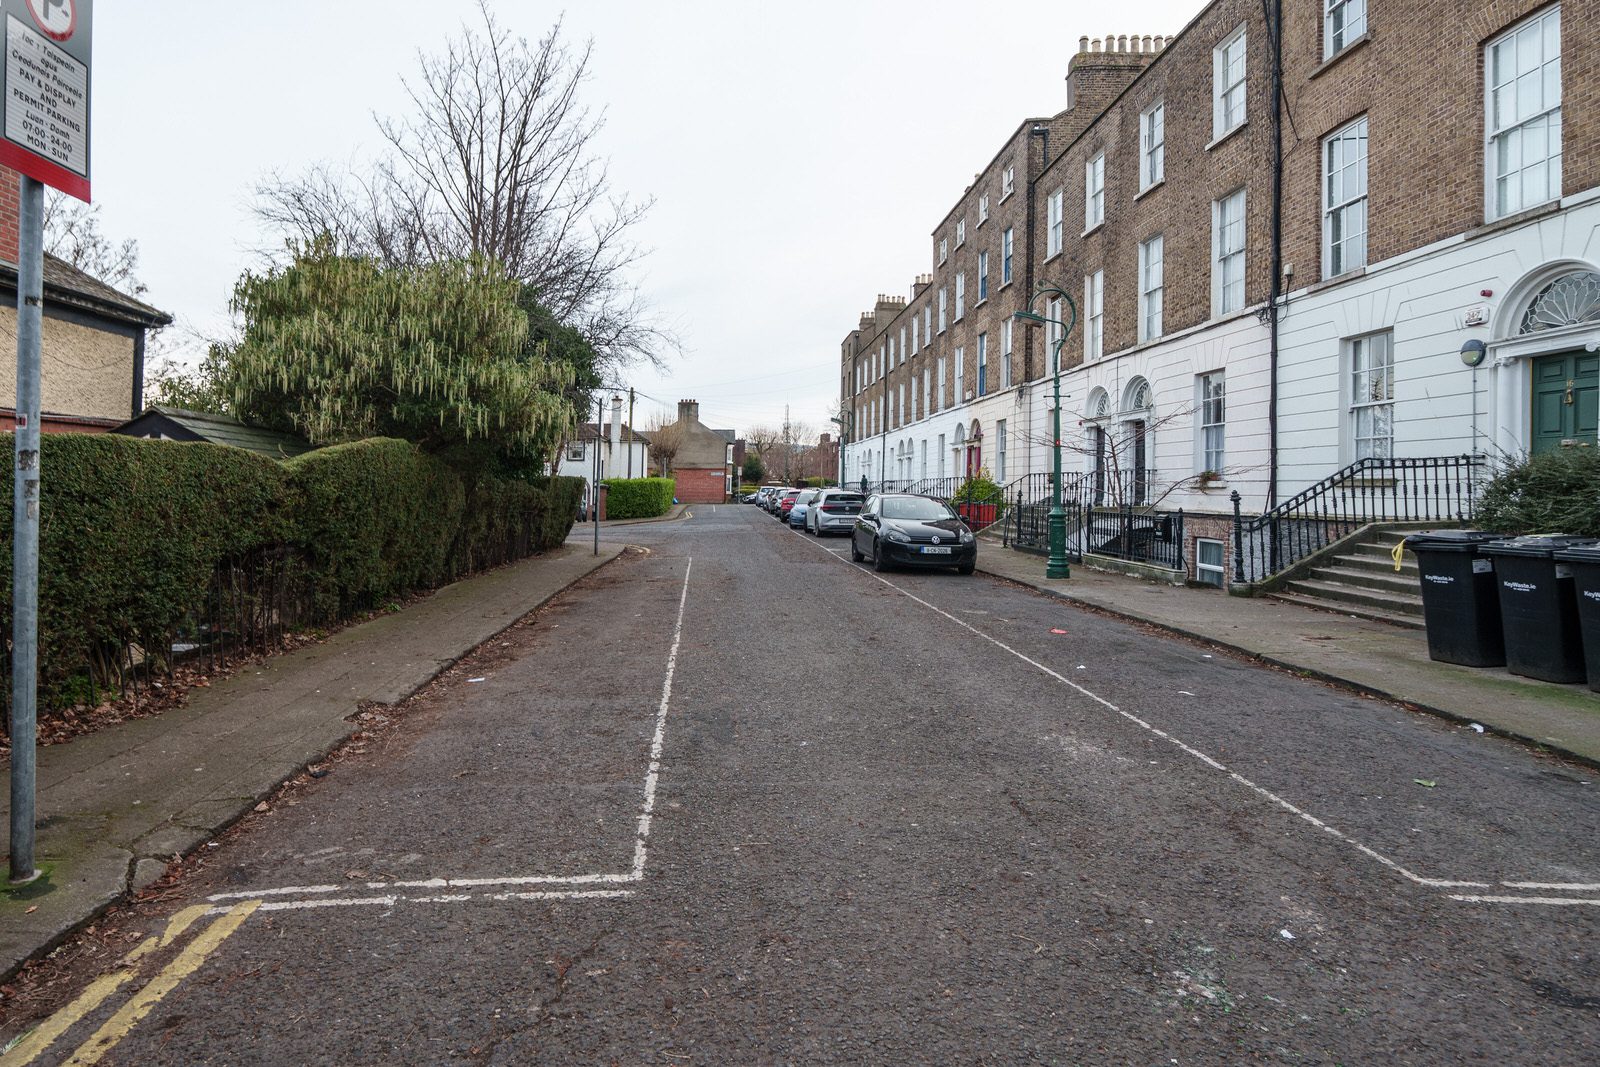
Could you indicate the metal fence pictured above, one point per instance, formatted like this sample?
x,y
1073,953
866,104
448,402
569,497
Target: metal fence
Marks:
x,y
1429,489
1127,532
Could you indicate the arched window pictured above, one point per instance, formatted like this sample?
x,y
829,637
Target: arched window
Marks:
x,y
1099,405
1571,300
1137,396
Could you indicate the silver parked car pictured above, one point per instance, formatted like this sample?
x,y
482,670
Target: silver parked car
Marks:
x,y
834,511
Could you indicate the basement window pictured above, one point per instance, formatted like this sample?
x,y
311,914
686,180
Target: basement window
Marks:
x,y
1209,565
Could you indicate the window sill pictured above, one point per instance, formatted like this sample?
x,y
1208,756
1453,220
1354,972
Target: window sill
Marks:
x,y
1152,187
1052,255
1511,221
1224,135
1007,195
979,304
1340,54
1092,229
1338,279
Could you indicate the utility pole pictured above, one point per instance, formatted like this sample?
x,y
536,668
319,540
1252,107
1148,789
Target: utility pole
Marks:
x,y
629,441
594,502
25,527
787,449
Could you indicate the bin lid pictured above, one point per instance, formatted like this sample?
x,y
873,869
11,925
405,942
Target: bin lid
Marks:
x,y
1536,545
1589,553
1449,540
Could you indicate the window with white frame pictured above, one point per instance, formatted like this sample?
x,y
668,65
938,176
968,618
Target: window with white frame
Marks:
x,y
961,295
927,324
904,411
1228,88
1005,353
961,232
1152,285
983,364
914,414
943,304
1094,301
890,364
1052,244
944,249
940,452
1094,192
961,373
903,349
1523,74
929,405
983,209
914,345
1227,253
1000,450
924,457
939,402
1213,422
1008,181
1372,395
1006,247
575,451
1152,145
1342,22
1344,200
1210,562
983,276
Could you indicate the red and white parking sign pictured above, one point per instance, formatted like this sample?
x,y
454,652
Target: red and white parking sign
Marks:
x,y
45,128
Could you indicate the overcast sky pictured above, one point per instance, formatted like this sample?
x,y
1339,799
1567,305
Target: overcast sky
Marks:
x,y
799,155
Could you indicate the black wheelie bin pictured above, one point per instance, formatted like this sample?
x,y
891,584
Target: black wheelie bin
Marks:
x,y
1460,603
1539,607
1585,563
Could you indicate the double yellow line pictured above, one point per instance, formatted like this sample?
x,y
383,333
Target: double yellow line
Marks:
x,y
142,1002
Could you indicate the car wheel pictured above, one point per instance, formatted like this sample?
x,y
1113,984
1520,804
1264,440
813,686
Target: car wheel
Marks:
x,y
879,562
967,568
855,553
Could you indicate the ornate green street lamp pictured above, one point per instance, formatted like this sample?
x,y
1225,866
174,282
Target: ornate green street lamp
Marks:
x,y
1057,567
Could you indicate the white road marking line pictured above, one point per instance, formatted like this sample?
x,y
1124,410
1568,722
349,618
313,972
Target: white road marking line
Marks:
x,y
647,813
1541,901
1262,791
1556,887
389,900
634,874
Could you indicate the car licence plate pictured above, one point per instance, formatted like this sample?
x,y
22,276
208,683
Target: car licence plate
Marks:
x,y
935,550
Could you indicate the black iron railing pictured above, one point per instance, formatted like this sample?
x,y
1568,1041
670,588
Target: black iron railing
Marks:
x,y
1429,489
1124,531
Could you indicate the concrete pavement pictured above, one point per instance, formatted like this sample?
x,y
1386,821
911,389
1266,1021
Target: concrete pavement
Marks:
x,y
117,805
1369,657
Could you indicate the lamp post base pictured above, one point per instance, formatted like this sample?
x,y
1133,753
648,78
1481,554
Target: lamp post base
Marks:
x,y
1057,566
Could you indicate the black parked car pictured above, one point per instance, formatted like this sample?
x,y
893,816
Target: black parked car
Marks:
x,y
914,531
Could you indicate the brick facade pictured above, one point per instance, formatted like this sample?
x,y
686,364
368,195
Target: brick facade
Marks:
x,y
1434,250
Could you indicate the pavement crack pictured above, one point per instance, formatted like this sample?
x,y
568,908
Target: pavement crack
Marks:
x,y
562,966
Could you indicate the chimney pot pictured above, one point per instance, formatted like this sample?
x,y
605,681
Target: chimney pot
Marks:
x,y
1083,43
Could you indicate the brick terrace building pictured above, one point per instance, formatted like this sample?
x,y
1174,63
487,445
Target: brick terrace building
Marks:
x,y
1269,287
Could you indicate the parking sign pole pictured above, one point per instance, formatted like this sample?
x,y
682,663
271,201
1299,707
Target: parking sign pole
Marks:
x,y
25,531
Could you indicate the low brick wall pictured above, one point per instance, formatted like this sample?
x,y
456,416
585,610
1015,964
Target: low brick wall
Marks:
x,y
700,486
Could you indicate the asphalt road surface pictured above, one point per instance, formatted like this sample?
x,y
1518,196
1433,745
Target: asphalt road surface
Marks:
x,y
736,800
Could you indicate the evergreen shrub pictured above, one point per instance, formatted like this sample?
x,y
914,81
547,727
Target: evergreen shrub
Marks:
x,y
638,498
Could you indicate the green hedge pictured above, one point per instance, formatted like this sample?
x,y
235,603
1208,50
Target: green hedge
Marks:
x,y
134,534
638,498
374,520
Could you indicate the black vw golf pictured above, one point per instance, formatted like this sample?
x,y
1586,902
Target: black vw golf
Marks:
x,y
917,531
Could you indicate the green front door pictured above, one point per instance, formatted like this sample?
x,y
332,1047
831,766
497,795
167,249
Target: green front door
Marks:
x,y
1566,400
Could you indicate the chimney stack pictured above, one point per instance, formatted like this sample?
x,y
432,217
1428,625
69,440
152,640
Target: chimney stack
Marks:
x,y
688,411
616,423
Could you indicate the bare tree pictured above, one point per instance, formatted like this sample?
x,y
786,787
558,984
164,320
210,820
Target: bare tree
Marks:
x,y
72,233
665,440
496,159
